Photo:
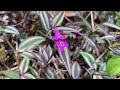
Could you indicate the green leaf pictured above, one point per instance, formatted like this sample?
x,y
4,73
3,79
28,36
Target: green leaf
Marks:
x,y
67,29
27,54
49,50
106,75
37,56
44,18
65,57
43,54
58,18
4,77
76,54
24,65
86,22
91,43
30,43
108,37
10,74
89,59
50,74
10,29
111,25
76,70
33,71
102,67
113,65
28,76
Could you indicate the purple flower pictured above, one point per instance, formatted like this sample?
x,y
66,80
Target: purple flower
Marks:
x,y
61,45
58,36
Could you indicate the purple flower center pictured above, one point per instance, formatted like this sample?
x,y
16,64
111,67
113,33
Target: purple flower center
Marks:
x,y
61,43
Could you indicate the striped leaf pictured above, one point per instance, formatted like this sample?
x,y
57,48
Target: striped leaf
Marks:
x,y
44,19
28,76
30,43
86,22
10,29
89,59
108,37
24,66
50,74
27,54
58,18
111,25
66,29
10,74
43,54
76,70
49,50
33,71
65,57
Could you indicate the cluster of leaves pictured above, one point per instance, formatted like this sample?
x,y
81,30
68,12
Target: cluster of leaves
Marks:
x,y
27,49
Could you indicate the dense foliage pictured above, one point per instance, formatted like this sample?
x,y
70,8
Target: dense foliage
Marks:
x,y
59,44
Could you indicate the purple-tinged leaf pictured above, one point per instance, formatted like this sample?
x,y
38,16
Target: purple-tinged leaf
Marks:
x,y
44,19
49,50
76,70
58,19
24,66
50,74
43,53
65,58
89,59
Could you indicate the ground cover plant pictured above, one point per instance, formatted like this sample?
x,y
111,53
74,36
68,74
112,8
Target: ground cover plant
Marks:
x,y
59,44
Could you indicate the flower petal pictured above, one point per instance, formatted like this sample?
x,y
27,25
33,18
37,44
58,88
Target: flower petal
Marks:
x,y
55,38
57,32
58,36
66,44
62,37
61,49
57,43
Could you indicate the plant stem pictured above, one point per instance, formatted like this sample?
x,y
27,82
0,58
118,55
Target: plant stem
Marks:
x,y
58,69
92,21
15,52
4,65
9,43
